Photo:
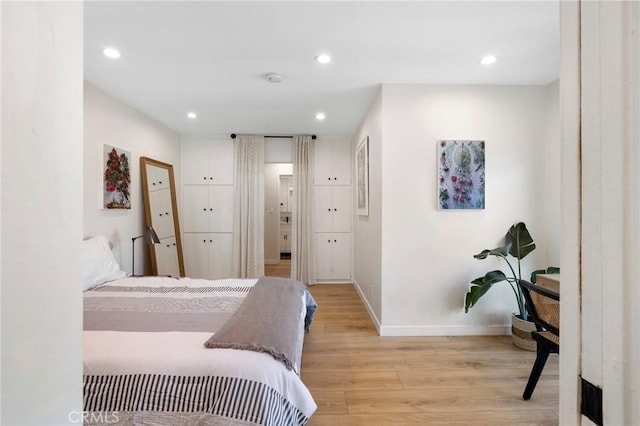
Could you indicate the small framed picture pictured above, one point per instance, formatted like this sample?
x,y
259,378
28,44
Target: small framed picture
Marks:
x,y
461,173
116,177
362,176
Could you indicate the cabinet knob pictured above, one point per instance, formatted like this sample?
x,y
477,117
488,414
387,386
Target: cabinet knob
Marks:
x,y
328,178
160,214
174,244
168,245
210,178
205,209
154,184
204,241
328,241
328,210
335,241
210,210
205,178
335,178
335,210
159,183
210,241
167,213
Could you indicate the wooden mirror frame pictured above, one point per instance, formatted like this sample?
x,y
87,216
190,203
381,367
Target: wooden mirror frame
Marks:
x,y
144,162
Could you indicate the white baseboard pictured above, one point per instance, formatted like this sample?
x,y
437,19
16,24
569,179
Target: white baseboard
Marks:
x,y
444,330
372,314
271,261
431,330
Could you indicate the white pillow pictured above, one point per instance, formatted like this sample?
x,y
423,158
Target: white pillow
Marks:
x,y
99,263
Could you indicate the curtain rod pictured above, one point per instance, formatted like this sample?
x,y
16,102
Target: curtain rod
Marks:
x,y
233,136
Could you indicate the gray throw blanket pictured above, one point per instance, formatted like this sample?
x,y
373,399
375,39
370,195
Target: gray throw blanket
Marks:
x,y
269,320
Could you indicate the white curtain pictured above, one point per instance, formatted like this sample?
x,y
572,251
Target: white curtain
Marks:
x,y
248,222
302,237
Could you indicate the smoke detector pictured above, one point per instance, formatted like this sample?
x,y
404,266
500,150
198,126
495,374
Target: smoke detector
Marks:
x,y
273,77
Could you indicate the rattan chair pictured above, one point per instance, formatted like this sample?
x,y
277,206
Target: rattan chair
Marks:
x,y
543,306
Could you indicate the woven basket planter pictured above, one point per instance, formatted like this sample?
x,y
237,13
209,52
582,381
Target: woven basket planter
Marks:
x,y
521,333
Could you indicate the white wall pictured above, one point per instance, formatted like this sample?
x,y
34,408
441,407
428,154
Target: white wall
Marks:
x,y
278,150
41,212
110,121
551,175
427,254
367,230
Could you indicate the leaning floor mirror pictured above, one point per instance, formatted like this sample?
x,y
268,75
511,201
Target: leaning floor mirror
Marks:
x,y
161,212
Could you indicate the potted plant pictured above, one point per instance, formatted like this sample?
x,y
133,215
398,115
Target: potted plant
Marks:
x,y
518,243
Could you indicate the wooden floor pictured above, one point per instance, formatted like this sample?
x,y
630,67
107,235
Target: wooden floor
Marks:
x,y
359,378
283,269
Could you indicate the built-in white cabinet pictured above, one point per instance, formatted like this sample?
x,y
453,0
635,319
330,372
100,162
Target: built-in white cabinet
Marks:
x,y
208,200
332,162
332,205
207,162
208,208
208,255
333,256
285,238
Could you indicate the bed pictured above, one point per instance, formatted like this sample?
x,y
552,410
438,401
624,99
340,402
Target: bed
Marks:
x,y
146,362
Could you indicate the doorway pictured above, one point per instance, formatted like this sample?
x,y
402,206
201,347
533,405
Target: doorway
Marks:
x,y
277,239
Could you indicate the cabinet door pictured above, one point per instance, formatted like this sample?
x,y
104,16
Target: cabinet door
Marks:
x,y
341,162
196,255
195,163
341,256
322,174
196,211
287,241
220,247
220,208
341,203
323,256
167,257
162,213
221,162
323,207
283,241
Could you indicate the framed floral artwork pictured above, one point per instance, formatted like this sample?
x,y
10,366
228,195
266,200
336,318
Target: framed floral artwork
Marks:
x,y
461,174
116,176
362,176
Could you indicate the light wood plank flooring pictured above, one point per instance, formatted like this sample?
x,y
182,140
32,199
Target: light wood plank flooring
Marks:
x,y
283,269
359,378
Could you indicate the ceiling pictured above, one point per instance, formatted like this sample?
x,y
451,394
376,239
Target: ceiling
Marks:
x,y
211,57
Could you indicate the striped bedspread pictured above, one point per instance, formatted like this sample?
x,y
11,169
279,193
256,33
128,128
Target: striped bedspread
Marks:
x,y
145,360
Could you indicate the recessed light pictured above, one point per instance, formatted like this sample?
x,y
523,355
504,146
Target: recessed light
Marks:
x,y
111,52
320,116
192,115
323,59
488,60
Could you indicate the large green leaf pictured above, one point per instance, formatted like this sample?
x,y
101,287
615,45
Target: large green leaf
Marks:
x,y
500,251
480,286
521,241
